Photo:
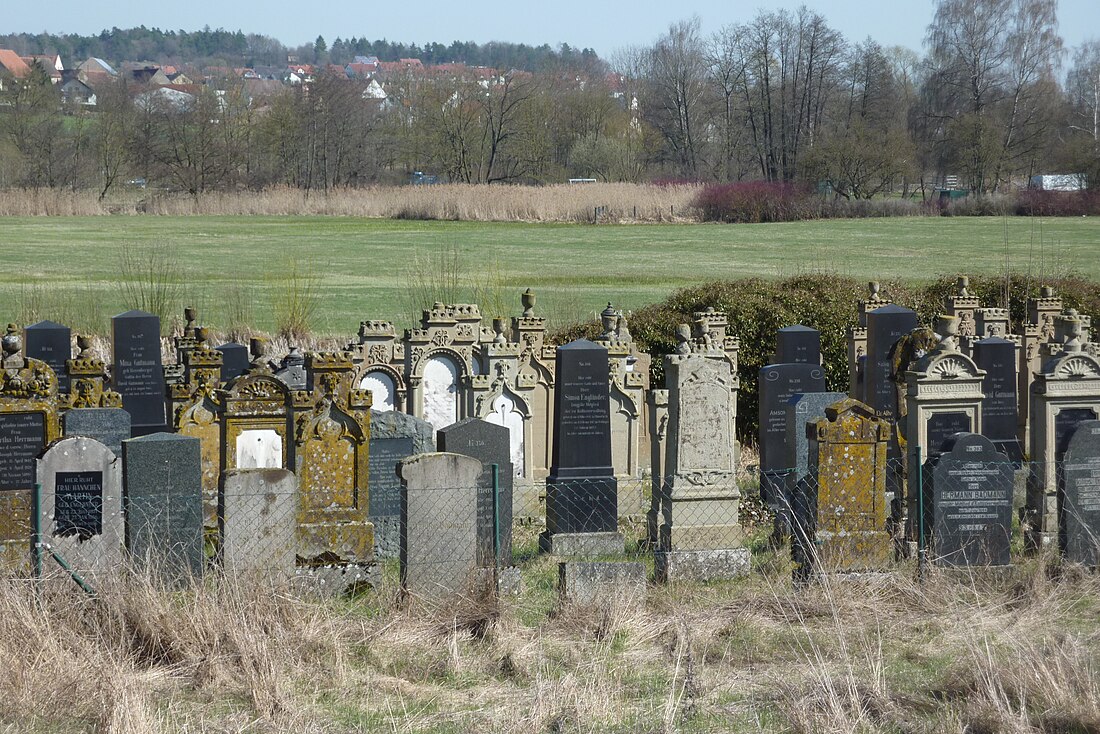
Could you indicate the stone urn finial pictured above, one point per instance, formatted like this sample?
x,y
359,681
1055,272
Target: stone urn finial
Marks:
x,y
1046,292
610,319
84,344
962,286
1075,329
873,288
621,328
948,329
12,341
498,327
257,348
190,314
527,299
202,334
683,339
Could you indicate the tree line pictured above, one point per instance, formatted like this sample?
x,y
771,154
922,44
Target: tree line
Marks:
x,y
783,97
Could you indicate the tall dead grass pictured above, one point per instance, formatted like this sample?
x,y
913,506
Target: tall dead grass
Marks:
x,y
602,202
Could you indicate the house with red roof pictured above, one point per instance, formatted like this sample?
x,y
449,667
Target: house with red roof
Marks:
x,y
12,67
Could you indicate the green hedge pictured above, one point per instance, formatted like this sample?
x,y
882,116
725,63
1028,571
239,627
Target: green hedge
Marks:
x,y
757,308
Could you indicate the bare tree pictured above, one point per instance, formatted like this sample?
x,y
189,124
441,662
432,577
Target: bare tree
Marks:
x,y
676,93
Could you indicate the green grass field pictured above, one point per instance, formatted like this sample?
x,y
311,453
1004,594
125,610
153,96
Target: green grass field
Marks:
x,y
236,267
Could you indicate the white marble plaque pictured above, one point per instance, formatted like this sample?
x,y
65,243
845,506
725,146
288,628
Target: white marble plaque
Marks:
x,y
383,391
441,392
260,449
506,413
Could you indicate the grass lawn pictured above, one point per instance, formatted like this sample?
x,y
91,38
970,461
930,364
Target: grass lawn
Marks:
x,y
71,268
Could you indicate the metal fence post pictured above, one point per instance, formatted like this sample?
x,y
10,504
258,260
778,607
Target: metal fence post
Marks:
x,y
921,550
496,513
36,531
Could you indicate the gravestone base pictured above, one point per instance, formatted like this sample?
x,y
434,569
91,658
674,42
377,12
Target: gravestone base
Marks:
x,y
700,537
601,582
335,543
529,500
853,552
15,530
701,565
585,545
330,581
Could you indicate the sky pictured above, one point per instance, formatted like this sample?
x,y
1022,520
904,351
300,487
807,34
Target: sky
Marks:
x,y
605,25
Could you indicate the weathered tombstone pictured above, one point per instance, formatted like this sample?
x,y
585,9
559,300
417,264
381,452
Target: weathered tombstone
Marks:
x,y
1079,496
81,505
196,407
857,340
292,370
257,512
162,502
581,491
489,444
235,361
138,374
840,511
52,343
439,524
777,383
968,503
798,344
331,434
256,428
601,583
394,437
28,422
801,409
1064,394
701,536
997,357
109,426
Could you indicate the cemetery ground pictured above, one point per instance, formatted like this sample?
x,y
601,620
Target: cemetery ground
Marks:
x,y
1011,651
337,271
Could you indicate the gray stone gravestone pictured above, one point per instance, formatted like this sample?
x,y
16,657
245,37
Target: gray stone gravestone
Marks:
x,y
1079,496
439,524
22,438
50,342
109,426
138,375
601,583
581,491
489,443
968,503
801,410
1000,406
798,344
235,361
257,517
394,438
162,498
777,383
81,506
292,370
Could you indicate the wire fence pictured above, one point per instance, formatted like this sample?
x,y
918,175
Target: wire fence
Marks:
x,y
841,516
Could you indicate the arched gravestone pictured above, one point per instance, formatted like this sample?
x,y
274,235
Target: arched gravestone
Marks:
x,y
50,342
394,437
1079,496
382,388
968,502
441,391
777,383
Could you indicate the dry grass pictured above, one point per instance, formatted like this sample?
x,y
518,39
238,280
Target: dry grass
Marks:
x,y
1013,653
605,202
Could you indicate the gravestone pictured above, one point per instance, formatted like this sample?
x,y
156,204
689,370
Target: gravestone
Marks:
x,y
968,503
701,536
658,432
162,501
601,583
801,409
489,443
81,506
777,383
292,370
885,326
394,438
235,361
798,344
257,512
1079,496
1000,406
942,426
581,491
840,511
109,426
22,439
138,375
52,343
439,525
256,430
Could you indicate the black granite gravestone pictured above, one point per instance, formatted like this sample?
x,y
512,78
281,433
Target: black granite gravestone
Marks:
x,y
1065,423
52,343
581,492
1000,406
968,503
776,384
1079,496
78,503
884,327
109,426
490,444
394,438
162,499
942,426
138,374
798,344
22,438
235,360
